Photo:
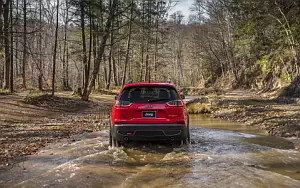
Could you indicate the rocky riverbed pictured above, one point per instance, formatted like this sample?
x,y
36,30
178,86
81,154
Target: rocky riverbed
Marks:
x,y
278,117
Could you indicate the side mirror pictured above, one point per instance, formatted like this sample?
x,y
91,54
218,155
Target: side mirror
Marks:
x,y
182,96
116,97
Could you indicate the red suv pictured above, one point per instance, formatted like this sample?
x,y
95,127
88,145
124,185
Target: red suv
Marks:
x,y
149,112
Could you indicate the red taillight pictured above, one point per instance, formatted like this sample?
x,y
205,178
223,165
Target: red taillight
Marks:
x,y
123,104
176,103
118,122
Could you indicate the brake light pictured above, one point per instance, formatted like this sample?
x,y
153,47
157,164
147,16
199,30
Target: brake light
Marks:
x,y
176,103
123,103
118,122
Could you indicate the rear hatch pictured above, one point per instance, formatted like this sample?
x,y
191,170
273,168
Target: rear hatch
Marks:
x,y
149,105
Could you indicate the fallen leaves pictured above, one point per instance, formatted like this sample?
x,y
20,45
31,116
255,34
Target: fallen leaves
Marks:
x,y
71,117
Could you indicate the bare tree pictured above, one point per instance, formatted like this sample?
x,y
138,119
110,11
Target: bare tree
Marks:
x,y
24,43
6,43
11,84
40,78
101,48
55,48
128,42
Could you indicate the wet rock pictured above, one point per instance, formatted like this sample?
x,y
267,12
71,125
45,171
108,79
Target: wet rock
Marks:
x,y
251,165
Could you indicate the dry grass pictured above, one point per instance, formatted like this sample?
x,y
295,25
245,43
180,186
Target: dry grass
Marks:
x,y
198,108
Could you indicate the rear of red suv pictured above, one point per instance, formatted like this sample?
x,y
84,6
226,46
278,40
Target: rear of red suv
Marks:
x,y
149,112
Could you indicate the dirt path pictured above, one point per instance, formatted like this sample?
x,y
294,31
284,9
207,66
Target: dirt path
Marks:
x,y
279,117
30,123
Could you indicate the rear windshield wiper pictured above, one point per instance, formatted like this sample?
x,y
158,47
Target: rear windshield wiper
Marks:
x,y
157,100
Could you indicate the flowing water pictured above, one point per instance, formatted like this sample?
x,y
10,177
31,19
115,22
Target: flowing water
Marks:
x,y
222,154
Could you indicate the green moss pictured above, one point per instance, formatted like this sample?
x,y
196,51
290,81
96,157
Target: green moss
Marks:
x,y
4,91
264,64
285,77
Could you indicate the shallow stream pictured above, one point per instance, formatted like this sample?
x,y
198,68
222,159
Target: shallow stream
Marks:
x,y
222,154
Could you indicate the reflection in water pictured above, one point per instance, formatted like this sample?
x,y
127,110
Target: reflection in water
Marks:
x,y
202,121
222,154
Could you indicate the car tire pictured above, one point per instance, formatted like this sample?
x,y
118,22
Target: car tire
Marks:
x,y
110,140
110,136
189,136
115,143
187,140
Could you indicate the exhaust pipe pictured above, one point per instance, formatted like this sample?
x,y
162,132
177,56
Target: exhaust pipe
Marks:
x,y
126,139
172,138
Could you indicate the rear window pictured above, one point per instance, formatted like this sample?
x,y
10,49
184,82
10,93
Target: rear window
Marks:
x,y
148,94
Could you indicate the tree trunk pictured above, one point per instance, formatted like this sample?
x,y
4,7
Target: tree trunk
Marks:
x,y
18,68
156,42
95,41
110,60
67,66
6,44
65,51
101,49
40,79
128,43
25,43
114,69
55,48
2,66
147,75
104,70
90,46
11,85
84,49
143,44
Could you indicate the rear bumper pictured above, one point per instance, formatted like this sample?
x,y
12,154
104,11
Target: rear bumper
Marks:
x,y
149,132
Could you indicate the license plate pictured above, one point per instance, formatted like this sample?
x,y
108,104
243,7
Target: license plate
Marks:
x,y
149,115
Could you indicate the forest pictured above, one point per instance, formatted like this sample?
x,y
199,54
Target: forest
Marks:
x,y
84,45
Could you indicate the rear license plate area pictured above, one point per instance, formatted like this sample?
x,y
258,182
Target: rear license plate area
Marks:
x,y
148,114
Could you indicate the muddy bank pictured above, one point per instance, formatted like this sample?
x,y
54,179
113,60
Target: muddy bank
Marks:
x,y
279,117
29,123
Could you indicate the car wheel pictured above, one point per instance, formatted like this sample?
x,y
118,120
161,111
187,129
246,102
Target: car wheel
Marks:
x,y
110,139
115,143
187,140
189,136
110,136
